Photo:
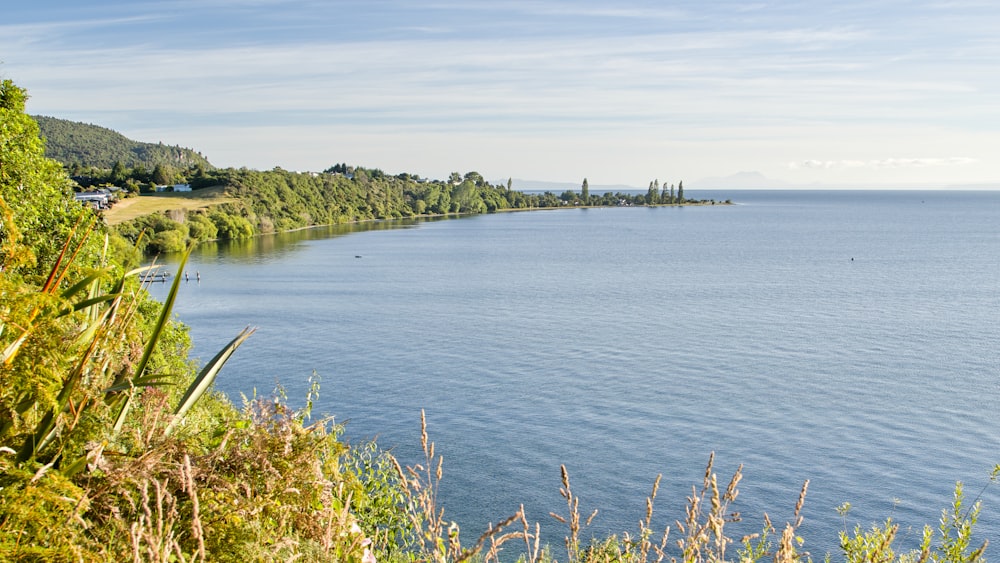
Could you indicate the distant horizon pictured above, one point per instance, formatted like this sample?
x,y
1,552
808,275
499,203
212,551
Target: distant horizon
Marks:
x,y
719,184
744,180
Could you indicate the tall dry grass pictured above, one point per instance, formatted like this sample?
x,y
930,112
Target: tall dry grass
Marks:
x,y
702,535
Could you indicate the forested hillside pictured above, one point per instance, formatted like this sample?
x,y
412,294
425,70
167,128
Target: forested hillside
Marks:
x,y
84,145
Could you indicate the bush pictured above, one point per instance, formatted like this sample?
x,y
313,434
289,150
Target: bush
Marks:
x,y
174,240
231,226
201,228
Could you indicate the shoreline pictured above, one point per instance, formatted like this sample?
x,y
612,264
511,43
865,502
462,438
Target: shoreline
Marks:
x,y
129,202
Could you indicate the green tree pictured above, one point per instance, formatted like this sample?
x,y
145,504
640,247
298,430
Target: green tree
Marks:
x,y
34,189
231,226
201,228
118,173
163,174
465,198
585,192
680,192
476,178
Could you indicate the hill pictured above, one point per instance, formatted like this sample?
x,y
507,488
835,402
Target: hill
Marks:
x,y
72,142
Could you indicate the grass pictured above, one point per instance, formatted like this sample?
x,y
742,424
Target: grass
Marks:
x,y
133,207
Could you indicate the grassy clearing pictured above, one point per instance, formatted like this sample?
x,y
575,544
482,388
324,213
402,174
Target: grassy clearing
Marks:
x,y
133,207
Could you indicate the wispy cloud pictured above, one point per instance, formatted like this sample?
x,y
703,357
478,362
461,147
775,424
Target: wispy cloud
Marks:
x,y
696,82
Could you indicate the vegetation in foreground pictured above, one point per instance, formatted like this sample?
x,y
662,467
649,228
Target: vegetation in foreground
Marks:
x,y
114,448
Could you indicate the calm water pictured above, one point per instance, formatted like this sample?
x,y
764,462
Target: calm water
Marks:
x,y
848,338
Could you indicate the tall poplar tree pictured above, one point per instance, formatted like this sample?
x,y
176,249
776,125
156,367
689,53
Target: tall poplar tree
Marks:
x,y
585,192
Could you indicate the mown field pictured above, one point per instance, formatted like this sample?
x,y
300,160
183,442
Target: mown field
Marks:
x,y
133,207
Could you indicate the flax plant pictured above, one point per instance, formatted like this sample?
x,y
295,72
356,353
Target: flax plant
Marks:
x,y
95,376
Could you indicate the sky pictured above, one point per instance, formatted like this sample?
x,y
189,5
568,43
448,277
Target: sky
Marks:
x,y
843,93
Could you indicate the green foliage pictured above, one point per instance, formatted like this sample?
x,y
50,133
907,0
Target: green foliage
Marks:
x,y
873,546
380,496
156,233
40,517
159,233
36,213
201,228
88,145
954,543
163,174
84,477
956,532
230,226
173,240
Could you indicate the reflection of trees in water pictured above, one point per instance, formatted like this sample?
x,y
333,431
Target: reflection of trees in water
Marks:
x,y
271,245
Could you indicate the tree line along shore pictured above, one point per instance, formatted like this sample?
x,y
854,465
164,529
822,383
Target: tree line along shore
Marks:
x,y
238,203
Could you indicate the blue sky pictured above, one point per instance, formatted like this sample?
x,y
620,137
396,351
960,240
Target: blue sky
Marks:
x,y
843,93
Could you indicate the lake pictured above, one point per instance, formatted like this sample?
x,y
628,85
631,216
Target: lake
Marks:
x,y
844,337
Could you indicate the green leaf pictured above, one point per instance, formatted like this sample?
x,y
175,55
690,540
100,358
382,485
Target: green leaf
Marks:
x,y
82,284
206,377
147,353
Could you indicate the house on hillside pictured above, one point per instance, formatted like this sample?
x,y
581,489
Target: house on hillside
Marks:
x,y
174,188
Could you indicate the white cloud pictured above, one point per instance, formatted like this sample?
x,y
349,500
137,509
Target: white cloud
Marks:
x,y
698,86
882,163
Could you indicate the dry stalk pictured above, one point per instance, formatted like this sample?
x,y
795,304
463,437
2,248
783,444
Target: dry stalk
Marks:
x,y
572,517
786,547
187,479
646,531
532,549
440,540
704,530
152,535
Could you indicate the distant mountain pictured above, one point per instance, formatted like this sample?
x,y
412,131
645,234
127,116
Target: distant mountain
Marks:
x,y
745,180
71,142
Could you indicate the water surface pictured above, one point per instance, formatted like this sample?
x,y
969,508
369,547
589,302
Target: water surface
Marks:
x,y
848,338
